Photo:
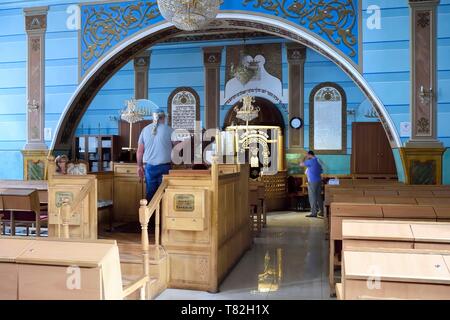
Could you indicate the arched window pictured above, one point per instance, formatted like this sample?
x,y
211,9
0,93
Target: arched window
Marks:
x,y
328,119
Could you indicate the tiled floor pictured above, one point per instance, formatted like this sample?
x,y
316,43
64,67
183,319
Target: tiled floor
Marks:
x,y
303,267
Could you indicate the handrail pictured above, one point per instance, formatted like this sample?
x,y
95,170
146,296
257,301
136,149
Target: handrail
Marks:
x,y
157,197
146,210
141,283
67,207
83,193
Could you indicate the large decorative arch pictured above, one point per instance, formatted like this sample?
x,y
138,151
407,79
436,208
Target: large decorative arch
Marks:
x,y
113,60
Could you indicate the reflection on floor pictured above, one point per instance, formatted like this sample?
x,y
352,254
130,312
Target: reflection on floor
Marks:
x,y
288,261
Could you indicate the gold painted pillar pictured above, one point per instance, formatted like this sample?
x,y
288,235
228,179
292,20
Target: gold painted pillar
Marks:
x,y
212,58
141,68
422,155
296,56
35,150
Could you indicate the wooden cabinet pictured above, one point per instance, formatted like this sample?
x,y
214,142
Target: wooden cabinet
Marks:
x,y
371,151
128,191
99,151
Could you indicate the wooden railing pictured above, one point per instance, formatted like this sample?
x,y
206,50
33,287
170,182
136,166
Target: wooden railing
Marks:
x,y
68,207
146,211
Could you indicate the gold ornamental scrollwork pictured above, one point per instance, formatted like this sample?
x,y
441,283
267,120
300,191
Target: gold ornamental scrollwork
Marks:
x,y
334,18
103,27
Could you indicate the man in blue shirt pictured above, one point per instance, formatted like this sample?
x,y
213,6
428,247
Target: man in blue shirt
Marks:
x,y
154,152
313,173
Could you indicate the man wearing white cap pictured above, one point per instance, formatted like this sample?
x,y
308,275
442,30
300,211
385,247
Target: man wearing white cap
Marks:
x,y
154,152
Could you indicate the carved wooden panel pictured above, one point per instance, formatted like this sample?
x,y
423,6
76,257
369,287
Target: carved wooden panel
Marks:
x,y
423,172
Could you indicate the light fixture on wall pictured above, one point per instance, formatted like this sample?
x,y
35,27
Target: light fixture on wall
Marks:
x,y
189,15
425,95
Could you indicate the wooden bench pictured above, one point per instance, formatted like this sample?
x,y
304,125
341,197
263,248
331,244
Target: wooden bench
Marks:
x,y
395,274
377,234
41,270
354,211
385,194
395,234
21,206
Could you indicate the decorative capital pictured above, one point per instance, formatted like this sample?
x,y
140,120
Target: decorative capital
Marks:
x,y
212,56
423,3
142,60
296,53
35,19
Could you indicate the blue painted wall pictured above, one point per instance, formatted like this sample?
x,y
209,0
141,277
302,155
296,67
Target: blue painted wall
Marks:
x,y
386,65
177,65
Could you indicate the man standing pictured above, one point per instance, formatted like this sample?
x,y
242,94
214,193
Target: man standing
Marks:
x,y
154,152
313,172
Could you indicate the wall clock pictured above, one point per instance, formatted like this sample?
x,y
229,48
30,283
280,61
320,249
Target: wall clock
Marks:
x,y
296,123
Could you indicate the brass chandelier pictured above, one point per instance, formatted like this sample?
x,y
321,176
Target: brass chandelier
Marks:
x,y
132,114
189,15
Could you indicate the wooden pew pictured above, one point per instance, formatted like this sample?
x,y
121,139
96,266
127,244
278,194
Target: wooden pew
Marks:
x,y
392,200
433,201
432,236
385,194
395,234
357,234
341,211
395,274
41,186
41,270
21,206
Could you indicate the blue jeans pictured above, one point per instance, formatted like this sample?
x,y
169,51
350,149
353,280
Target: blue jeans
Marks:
x,y
315,197
153,178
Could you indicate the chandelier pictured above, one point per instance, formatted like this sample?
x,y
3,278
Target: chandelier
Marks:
x,y
248,111
189,15
132,114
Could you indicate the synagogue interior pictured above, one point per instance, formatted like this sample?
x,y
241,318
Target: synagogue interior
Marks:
x,y
225,150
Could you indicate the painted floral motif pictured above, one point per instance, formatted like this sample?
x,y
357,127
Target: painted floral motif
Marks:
x,y
423,125
105,26
335,19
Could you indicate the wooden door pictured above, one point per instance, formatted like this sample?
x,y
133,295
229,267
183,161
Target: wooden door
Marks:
x,y
128,191
371,151
386,161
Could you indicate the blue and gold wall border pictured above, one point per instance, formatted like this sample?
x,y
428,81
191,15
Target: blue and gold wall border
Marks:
x,y
104,25
337,22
